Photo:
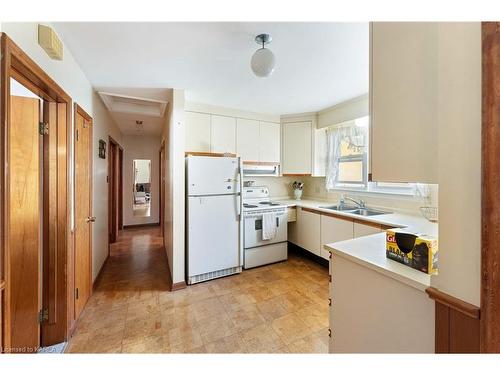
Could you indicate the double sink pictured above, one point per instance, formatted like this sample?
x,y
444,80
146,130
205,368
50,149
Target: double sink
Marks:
x,y
356,210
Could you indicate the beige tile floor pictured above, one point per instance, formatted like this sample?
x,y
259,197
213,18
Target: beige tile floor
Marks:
x,y
279,308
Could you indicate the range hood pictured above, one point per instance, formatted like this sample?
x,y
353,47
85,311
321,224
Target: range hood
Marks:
x,y
263,169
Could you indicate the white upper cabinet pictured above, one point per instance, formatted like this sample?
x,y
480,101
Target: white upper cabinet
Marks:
x,y
247,139
223,134
403,101
297,148
269,142
197,132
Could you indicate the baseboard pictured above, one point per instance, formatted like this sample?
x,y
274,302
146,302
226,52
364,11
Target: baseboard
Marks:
x,y
307,254
178,286
99,275
141,225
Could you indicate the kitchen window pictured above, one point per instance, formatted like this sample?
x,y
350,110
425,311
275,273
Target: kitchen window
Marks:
x,y
347,161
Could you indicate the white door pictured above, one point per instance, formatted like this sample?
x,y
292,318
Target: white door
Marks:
x,y
197,132
297,148
334,230
213,234
212,175
269,142
223,134
361,230
308,235
247,139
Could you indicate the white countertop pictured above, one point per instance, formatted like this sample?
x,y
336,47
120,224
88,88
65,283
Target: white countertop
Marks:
x,y
369,251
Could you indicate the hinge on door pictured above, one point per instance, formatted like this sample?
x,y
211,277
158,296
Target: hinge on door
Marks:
x,y
76,293
77,134
43,315
43,128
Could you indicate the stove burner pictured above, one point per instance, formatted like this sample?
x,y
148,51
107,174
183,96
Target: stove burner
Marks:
x,y
246,205
269,203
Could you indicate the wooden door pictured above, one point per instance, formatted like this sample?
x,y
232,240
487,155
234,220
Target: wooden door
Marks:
x,y
162,190
113,191
23,200
83,212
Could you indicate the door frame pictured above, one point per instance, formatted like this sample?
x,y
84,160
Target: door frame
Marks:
x,y
80,111
115,189
17,64
490,199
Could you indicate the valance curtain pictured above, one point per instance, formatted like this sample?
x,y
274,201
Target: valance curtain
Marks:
x,y
354,135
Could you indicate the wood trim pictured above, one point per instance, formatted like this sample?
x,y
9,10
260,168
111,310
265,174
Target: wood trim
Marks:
x,y
82,113
453,302
15,63
296,175
132,226
212,154
368,223
490,199
2,285
178,286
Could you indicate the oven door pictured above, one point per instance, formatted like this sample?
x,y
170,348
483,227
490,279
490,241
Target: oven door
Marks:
x,y
253,230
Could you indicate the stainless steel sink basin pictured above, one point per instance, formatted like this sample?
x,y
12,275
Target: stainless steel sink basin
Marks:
x,y
356,211
368,212
341,208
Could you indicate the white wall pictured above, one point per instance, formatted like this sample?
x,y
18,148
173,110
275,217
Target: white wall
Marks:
x,y
71,78
140,147
173,134
459,111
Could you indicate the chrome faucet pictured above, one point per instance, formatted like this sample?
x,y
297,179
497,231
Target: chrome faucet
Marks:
x,y
358,202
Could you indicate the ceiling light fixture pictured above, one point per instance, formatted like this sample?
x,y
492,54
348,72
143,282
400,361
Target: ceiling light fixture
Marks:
x,y
263,61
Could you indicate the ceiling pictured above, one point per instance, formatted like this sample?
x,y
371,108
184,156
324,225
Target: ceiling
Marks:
x,y
318,64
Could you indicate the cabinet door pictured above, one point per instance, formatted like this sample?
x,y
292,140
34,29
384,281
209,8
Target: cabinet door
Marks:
x,y
223,134
247,139
333,230
297,138
308,234
197,132
269,142
403,102
361,230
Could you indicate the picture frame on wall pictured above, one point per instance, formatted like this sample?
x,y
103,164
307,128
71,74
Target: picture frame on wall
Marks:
x,y
102,149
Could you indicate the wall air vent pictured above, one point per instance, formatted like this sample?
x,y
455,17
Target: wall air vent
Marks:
x,y
133,105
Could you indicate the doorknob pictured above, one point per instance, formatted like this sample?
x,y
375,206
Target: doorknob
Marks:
x,y
90,219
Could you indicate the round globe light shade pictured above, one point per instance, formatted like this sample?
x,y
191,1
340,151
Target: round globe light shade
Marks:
x,y
263,62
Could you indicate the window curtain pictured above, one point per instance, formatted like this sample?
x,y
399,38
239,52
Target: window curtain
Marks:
x,y
354,135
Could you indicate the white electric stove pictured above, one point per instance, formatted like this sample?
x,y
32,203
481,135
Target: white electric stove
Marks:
x,y
257,251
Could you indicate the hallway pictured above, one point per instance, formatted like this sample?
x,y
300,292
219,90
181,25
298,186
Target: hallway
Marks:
x,y
280,308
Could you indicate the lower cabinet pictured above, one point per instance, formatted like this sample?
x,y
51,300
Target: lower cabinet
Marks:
x,y
312,229
308,230
334,229
361,229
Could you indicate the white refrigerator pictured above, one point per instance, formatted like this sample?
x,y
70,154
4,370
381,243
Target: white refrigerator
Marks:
x,y
214,235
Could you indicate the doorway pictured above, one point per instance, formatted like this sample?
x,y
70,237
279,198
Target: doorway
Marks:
x,y
115,190
83,209
34,278
142,188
